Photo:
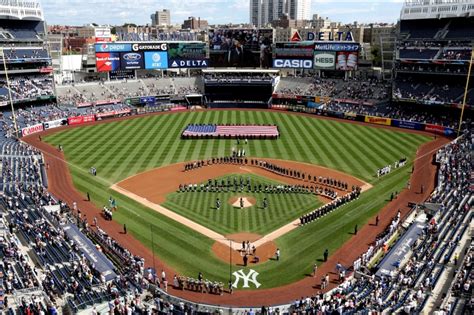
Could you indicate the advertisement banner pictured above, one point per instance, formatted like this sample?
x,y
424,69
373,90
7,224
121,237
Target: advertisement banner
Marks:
x,y
191,50
449,132
407,124
80,120
324,60
346,61
294,50
55,123
86,104
439,129
31,129
113,113
187,55
186,63
156,60
107,62
122,74
105,102
149,47
293,63
378,120
131,61
102,32
108,47
325,46
350,116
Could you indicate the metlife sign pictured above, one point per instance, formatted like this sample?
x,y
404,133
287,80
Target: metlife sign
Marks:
x,y
106,47
293,63
187,63
325,60
328,46
156,60
150,47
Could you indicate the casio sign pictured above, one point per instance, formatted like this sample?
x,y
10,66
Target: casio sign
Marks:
x,y
293,63
132,57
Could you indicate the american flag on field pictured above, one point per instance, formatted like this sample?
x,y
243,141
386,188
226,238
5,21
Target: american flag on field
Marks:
x,y
233,131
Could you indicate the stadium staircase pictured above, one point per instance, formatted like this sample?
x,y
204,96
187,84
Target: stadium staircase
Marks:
x,y
145,88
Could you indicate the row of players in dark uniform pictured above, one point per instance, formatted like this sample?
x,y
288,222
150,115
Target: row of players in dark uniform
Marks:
x,y
220,160
258,188
327,181
300,175
307,218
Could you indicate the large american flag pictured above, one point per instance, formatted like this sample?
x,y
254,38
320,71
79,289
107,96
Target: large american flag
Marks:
x,y
233,131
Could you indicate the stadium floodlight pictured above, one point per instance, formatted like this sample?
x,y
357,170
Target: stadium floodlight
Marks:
x,y
2,54
465,91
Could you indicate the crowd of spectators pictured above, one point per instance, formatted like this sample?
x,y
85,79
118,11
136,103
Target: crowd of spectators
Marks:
x,y
27,87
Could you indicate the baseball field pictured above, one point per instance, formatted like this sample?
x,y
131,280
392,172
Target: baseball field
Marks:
x,y
121,149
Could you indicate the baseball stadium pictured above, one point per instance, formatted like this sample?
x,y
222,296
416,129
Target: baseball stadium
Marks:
x,y
230,170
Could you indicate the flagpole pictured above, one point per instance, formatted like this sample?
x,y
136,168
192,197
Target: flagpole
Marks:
x,y
9,92
465,91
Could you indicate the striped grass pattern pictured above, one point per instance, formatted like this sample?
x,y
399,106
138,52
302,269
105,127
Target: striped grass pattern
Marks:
x,y
124,148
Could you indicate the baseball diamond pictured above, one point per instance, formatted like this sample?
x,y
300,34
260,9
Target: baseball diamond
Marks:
x,y
286,164
121,149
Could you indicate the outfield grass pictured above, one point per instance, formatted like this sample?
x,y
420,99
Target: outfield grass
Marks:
x,y
121,149
283,208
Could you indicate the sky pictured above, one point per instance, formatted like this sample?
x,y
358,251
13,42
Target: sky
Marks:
x,y
118,12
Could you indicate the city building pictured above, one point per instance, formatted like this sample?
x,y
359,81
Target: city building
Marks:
x,y
264,12
195,24
161,18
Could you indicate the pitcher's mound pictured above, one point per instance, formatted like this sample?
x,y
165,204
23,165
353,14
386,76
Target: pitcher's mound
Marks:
x,y
247,202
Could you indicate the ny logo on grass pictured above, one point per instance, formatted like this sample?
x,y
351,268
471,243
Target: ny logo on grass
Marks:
x,y
251,276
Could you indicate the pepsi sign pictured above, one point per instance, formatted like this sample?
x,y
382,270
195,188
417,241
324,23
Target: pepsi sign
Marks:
x,y
293,63
107,47
131,60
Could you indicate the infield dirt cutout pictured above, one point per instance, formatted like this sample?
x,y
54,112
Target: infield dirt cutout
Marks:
x,y
150,188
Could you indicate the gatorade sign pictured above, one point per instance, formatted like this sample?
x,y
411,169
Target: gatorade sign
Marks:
x,y
324,60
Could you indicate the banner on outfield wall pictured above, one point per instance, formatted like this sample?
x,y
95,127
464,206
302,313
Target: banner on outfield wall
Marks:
x,y
439,129
55,123
31,129
80,120
350,116
87,104
407,124
378,120
113,113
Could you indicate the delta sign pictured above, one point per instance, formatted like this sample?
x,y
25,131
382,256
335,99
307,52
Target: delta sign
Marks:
x,y
324,36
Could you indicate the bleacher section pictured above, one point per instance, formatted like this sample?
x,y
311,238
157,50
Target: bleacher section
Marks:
x,y
432,61
27,60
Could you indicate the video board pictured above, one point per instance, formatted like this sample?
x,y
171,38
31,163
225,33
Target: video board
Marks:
x,y
240,48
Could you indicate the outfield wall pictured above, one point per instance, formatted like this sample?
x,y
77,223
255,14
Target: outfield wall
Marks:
x,y
385,121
